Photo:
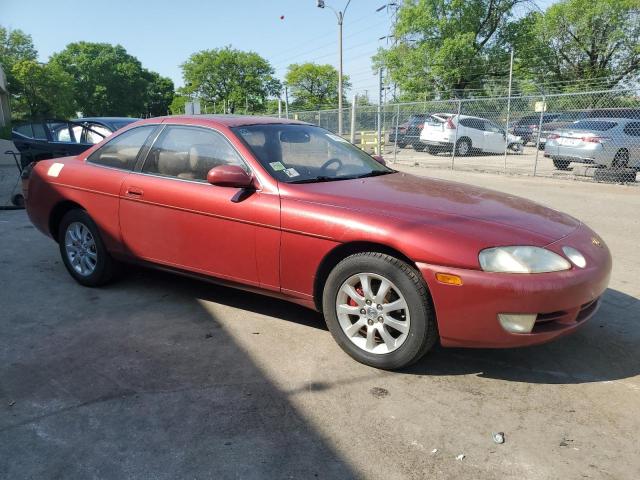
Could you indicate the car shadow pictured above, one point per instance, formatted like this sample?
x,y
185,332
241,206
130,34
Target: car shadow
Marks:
x,y
140,380
604,349
231,297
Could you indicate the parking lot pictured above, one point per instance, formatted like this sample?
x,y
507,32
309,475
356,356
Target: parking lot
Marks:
x,y
524,163
157,376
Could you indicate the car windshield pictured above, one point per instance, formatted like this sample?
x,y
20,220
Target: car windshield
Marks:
x,y
593,125
307,154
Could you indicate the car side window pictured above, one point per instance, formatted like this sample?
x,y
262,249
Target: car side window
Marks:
x,y
189,153
122,151
492,127
632,129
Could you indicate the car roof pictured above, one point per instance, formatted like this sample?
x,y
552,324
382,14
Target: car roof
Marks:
x,y
106,119
227,120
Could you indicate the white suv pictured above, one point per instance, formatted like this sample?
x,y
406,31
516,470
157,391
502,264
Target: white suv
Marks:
x,y
474,134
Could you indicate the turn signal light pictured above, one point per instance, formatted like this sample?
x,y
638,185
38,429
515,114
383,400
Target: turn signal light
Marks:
x,y
448,279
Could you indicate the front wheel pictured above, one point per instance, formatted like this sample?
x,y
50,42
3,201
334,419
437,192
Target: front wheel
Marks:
x,y
83,251
379,311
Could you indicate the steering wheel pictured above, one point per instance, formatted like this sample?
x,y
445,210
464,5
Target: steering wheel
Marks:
x,y
331,161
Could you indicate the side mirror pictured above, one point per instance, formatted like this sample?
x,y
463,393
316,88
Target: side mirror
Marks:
x,y
230,176
379,159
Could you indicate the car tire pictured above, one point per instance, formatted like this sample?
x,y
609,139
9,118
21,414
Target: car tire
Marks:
x,y
621,159
83,251
18,200
419,147
401,145
377,343
463,147
561,164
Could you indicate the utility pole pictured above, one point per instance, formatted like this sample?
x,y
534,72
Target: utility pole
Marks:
x,y
279,108
506,130
340,16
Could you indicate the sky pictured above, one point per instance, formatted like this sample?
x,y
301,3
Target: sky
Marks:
x,y
163,33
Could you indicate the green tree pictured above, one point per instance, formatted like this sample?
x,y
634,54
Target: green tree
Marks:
x,y
592,42
106,79
444,45
15,46
43,90
241,79
159,95
314,86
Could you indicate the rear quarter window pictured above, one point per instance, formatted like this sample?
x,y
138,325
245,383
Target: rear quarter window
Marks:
x,y
122,151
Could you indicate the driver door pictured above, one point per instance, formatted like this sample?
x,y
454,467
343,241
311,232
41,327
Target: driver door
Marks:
x,y
171,215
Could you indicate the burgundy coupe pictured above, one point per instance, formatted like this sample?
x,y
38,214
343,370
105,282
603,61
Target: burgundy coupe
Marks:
x,y
395,262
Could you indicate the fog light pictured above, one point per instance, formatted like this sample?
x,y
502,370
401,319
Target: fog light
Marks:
x,y
575,256
517,322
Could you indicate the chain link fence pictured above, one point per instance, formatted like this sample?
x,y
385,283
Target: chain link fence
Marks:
x,y
591,135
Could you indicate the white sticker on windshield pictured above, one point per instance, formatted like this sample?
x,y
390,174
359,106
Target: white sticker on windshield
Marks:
x,y
277,166
55,169
337,138
291,172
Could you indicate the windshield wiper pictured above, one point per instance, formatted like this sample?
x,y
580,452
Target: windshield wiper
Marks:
x,y
375,173
321,178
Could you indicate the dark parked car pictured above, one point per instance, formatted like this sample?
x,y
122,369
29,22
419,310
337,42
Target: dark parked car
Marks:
x,y
566,118
527,127
43,139
408,133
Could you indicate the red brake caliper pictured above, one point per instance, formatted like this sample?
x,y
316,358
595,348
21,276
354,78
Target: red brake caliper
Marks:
x,y
360,292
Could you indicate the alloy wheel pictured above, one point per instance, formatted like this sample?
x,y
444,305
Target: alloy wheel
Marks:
x,y
373,313
80,247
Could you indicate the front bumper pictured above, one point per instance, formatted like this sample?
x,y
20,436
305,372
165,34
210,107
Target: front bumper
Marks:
x,y
467,315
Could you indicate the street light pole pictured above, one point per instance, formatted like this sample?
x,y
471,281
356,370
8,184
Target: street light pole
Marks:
x,y
340,16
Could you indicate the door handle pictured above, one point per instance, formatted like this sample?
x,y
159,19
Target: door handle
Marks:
x,y
134,192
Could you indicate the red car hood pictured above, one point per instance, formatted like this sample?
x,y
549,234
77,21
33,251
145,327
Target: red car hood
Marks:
x,y
452,205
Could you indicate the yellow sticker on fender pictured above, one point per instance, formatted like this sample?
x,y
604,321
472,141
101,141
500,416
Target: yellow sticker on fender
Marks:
x,y
55,169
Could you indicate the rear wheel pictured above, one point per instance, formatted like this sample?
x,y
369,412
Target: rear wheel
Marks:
x,y
561,164
378,310
621,160
83,251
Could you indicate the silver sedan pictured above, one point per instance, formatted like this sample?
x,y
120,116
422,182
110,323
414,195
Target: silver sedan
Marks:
x,y
610,142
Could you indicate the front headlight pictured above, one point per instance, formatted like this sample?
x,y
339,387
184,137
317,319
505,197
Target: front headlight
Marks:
x,y
521,260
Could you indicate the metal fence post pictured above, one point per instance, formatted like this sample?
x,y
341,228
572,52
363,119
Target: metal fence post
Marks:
x,y
455,141
379,146
542,110
352,137
506,127
395,137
